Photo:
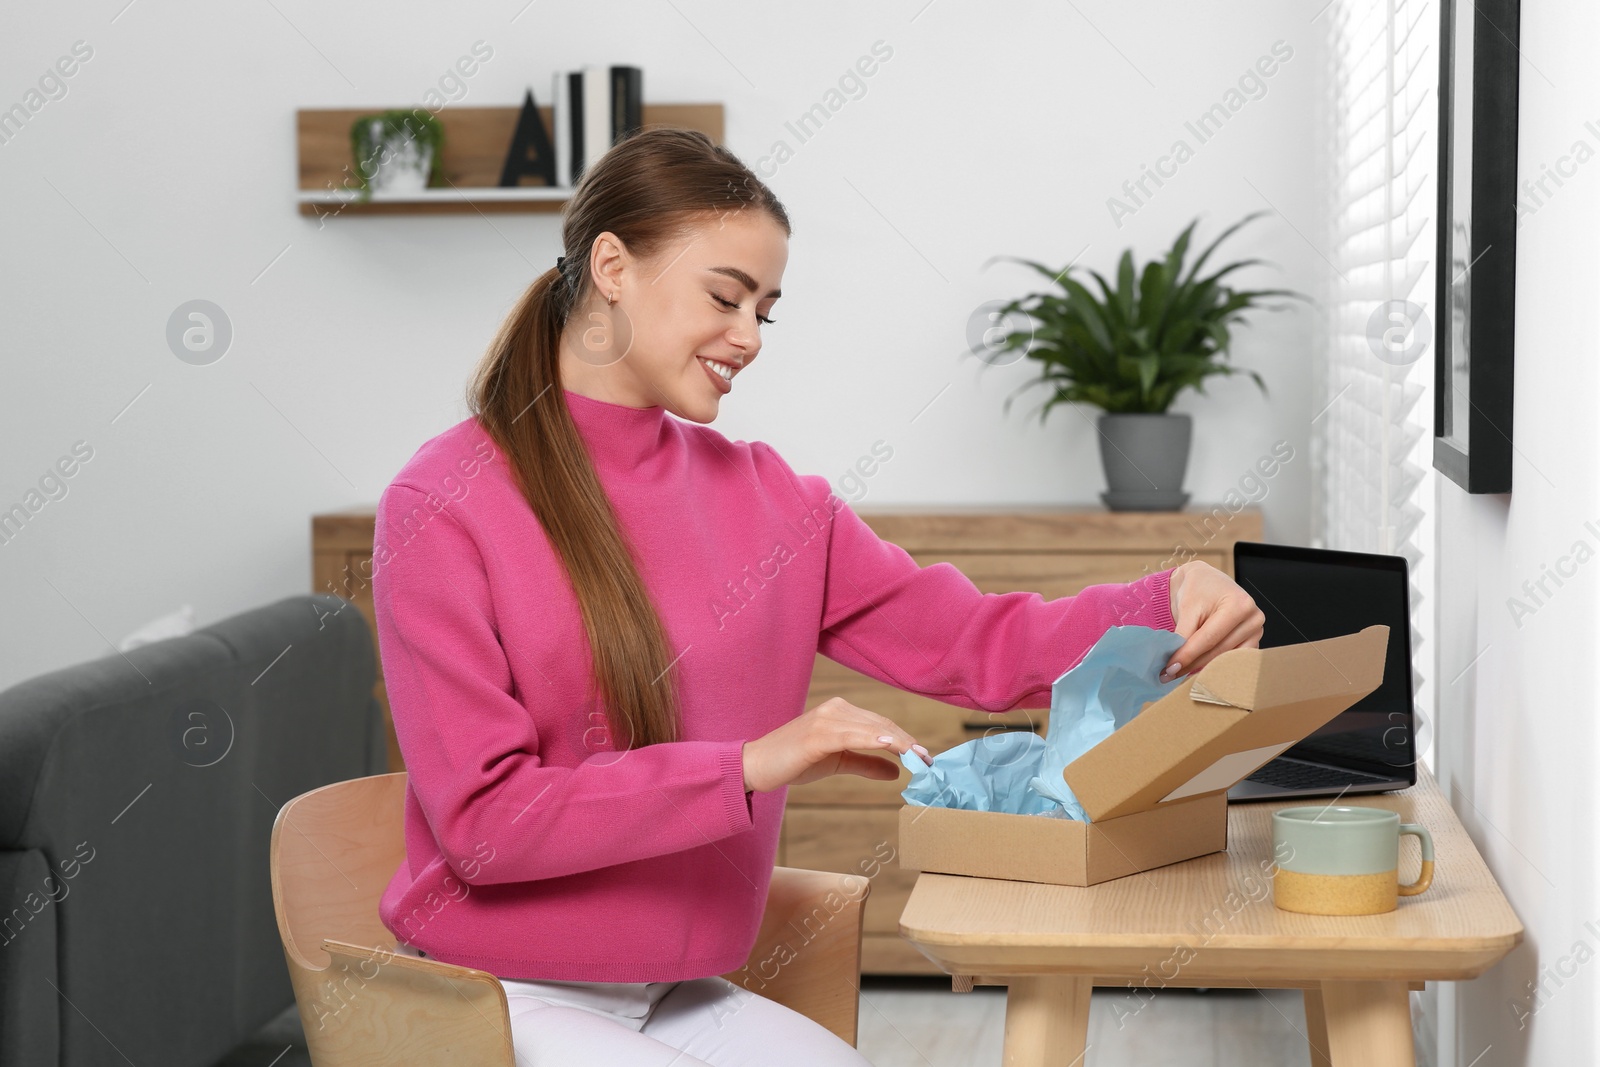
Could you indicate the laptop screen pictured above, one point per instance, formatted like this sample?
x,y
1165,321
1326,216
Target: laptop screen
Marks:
x,y
1310,594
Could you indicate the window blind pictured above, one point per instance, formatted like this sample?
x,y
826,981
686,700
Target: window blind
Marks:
x,y
1371,440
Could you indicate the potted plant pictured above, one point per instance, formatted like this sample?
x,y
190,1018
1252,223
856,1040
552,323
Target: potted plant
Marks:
x,y
1130,349
397,152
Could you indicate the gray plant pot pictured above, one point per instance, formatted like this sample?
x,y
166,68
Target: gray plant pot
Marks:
x,y
1145,458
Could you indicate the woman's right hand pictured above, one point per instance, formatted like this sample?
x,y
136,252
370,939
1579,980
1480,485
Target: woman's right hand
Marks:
x,y
819,743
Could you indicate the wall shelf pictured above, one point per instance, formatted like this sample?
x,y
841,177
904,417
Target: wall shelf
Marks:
x,y
476,140
461,200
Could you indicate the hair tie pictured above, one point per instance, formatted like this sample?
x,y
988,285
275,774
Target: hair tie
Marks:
x,y
560,260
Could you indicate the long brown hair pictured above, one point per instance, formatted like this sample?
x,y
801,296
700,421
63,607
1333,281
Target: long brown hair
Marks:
x,y
646,189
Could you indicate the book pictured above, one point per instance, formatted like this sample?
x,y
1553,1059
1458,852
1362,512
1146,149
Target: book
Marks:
x,y
561,127
627,101
596,114
575,125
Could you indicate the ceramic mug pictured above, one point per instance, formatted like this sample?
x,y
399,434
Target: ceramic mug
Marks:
x,y
1343,860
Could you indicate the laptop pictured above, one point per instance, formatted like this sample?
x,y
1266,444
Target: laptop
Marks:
x,y
1309,594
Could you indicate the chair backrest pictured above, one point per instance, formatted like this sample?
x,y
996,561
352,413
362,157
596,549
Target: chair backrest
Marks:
x,y
334,850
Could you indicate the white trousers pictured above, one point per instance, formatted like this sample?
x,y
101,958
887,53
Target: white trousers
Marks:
x,y
699,1022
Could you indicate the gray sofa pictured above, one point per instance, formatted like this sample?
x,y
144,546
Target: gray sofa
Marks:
x,y
137,797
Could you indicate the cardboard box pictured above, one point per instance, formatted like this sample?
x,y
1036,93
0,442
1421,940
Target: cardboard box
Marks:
x,y
1156,790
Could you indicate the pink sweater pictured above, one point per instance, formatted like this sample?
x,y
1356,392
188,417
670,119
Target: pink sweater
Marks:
x,y
534,848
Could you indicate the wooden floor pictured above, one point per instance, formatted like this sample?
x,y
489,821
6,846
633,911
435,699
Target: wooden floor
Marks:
x,y
919,1022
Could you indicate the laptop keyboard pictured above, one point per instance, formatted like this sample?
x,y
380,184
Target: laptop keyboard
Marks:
x,y
1289,774
1356,747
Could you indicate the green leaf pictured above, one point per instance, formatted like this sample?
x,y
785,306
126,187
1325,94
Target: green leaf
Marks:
x,y
1112,305
1224,236
1125,293
1179,248
1149,367
1153,294
1083,304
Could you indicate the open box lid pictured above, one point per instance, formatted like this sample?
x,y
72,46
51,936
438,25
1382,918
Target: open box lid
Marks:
x,y
1238,712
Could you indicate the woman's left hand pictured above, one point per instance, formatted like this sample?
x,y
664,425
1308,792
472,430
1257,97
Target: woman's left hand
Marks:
x,y
1213,614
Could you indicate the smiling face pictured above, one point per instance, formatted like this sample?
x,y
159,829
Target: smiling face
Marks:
x,y
703,299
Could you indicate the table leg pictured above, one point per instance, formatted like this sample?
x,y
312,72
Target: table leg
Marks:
x,y
1316,1028
1368,1024
1047,1020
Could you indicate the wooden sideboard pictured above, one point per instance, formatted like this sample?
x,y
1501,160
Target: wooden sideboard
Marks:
x,y
844,820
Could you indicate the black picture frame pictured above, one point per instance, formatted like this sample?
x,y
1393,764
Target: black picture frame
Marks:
x,y
1476,258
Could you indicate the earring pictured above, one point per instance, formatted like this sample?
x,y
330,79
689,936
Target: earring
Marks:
x,y
611,298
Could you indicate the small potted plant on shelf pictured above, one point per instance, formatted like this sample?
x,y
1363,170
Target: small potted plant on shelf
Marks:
x,y
1130,349
397,152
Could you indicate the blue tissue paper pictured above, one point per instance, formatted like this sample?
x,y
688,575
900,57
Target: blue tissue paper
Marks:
x,y
1019,772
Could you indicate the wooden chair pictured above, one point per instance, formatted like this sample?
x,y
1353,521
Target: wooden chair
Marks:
x,y
361,1003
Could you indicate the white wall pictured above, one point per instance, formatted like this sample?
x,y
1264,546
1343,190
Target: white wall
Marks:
x,y
166,173
1516,736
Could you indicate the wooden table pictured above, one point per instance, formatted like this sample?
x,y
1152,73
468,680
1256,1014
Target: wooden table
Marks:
x,y
1211,922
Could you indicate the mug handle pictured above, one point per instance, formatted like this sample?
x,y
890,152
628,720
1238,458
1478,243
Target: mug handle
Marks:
x,y
1425,879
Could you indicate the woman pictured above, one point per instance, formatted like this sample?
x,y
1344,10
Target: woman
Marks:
x,y
598,625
